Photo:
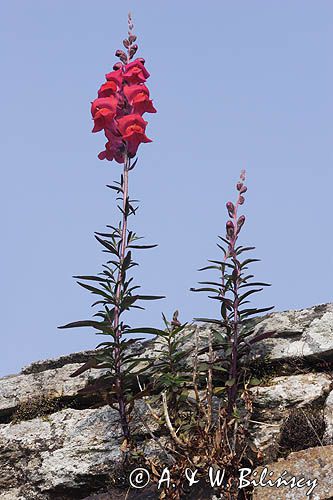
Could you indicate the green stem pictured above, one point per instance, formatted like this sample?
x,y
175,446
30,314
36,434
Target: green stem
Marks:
x,y
116,327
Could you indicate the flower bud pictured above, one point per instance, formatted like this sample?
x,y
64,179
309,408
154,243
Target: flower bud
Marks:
x,y
240,223
230,229
243,189
132,38
116,66
241,200
239,186
133,50
126,43
120,53
230,208
122,56
242,175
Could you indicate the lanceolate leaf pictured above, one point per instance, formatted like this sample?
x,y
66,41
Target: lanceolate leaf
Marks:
x,y
254,283
222,248
127,260
249,292
248,261
116,188
99,325
249,312
133,165
209,267
94,290
91,278
152,331
209,320
209,283
222,263
142,246
150,297
240,249
205,290
107,245
224,240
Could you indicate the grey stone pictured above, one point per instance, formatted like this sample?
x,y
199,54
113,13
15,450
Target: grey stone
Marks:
x,y
305,333
60,449
328,415
70,452
274,402
51,383
311,464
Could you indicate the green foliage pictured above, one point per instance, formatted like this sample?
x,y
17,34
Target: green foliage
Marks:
x,y
170,373
233,291
116,295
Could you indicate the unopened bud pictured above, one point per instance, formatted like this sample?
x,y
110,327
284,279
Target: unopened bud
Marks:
x,y
116,66
230,208
120,53
241,200
239,186
243,189
126,43
240,223
133,50
230,229
141,59
122,56
242,175
132,38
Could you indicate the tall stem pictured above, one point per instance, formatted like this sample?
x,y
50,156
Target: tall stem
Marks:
x,y
116,326
233,373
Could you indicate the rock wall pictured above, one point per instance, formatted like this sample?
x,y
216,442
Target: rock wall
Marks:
x,y
56,444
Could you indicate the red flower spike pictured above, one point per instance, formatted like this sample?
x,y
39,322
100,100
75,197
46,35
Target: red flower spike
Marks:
x,y
135,72
138,98
132,129
121,102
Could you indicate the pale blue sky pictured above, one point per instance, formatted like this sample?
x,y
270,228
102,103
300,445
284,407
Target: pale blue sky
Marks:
x,y
237,84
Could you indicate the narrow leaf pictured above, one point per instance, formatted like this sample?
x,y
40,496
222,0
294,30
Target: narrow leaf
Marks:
x,y
142,246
